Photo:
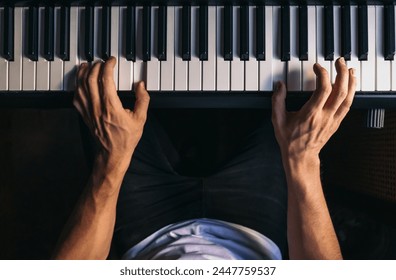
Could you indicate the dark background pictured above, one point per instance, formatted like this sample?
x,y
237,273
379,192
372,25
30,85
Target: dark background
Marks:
x,y
43,169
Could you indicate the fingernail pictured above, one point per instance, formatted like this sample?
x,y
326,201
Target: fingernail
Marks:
x,y
353,71
342,60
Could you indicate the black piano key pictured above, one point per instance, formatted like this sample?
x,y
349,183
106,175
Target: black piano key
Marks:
x,y
106,33
32,43
362,33
346,47
328,32
89,33
303,32
146,33
244,33
285,33
130,50
162,27
186,33
64,46
203,33
389,32
8,47
49,42
260,33
227,32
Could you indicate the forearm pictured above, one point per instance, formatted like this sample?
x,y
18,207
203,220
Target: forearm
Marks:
x,y
89,231
311,233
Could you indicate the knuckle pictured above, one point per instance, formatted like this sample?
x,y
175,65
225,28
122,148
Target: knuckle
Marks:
x,y
106,80
92,80
146,98
347,104
342,94
337,122
142,119
326,88
323,72
344,70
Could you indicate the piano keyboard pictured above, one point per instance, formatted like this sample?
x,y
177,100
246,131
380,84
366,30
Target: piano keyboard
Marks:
x,y
198,49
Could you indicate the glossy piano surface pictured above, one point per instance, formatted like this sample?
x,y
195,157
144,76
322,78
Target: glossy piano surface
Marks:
x,y
170,99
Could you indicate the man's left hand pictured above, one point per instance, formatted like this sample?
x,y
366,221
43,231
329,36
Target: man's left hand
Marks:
x,y
117,130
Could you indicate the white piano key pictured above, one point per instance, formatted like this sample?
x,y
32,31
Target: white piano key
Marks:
x,y
43,65
167,67
354,62
237,65
252,65
115,40
223,66
181,66
393,78
194,65
15,67
209,66
367,68
70,67
28,66
125,67
383,73
320,40
3,61
153,66
294,65
3,74
337,41
279,68
139,70
266,75
56,66
308,75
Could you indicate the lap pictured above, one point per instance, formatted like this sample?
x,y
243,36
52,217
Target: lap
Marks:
x,y
249,189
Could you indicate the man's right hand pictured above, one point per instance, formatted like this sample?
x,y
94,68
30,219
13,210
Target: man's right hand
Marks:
x,y
303,134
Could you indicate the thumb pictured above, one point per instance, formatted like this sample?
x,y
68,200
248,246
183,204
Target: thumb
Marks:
x,y
278,104
142,101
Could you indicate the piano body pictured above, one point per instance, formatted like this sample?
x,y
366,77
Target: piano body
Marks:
x,y
196,54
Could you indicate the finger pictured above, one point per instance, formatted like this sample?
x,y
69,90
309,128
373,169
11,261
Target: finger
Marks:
x,y
82,111
278,104
93,88
81,76
142,102
108,85
322,91
340,87
81,95
346,105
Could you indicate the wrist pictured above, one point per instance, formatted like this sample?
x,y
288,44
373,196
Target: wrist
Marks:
x,y
301,163
303,172
107,175
110,164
